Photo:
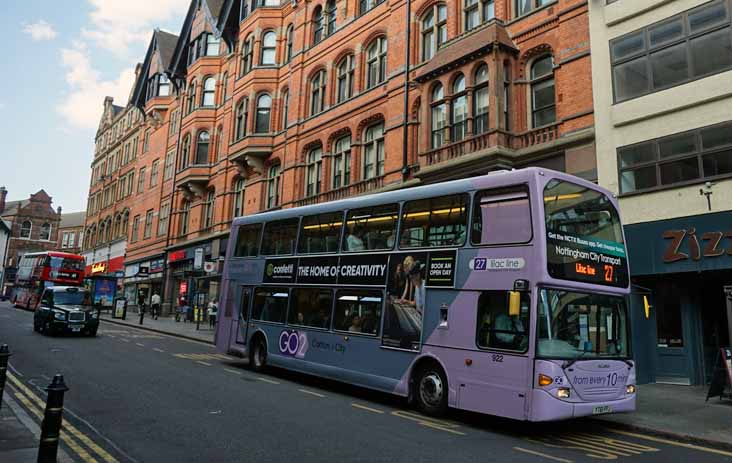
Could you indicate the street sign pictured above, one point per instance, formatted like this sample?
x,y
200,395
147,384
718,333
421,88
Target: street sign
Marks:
x,y
198,259
209,267
722,373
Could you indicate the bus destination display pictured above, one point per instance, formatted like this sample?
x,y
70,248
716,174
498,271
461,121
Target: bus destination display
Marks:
x,y
576,258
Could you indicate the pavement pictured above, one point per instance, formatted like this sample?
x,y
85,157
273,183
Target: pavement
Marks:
x,y
141,396
166,325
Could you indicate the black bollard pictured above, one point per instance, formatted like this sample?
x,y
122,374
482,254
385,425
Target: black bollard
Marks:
x,y
51,426
4,356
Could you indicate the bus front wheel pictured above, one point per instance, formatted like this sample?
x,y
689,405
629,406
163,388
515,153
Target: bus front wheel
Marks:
x,y
258,354
431,390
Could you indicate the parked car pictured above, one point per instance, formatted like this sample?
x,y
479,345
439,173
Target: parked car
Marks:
x,y
66,309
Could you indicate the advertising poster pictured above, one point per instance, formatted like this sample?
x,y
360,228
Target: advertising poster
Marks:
x,y
405,295
104,292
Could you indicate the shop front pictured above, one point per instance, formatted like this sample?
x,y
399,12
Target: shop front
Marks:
x,y
143,279
104,272
194,271
684,267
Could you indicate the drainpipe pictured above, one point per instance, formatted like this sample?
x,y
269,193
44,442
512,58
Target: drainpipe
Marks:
x,y
405,135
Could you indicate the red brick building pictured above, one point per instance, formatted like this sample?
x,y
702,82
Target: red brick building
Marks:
x,y
71,232
33,228
264,104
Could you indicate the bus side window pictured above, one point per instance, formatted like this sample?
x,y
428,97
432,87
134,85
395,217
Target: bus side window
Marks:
x,y
496,328
358,311
247,240
279,237
270,304
433,222
320,233
311,307
501,216
371,228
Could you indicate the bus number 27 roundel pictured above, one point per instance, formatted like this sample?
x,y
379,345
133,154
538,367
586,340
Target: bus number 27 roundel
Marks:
x,y
293,343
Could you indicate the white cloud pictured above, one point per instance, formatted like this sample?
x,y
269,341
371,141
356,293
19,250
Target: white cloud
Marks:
x,y
82,106
116,25
40,30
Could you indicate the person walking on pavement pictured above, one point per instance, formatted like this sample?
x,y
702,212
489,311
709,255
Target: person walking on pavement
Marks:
x,y
141,307
212,312
155,305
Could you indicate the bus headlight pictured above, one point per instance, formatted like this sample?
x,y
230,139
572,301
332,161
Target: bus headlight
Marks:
x,y
563,393
58,315
630,389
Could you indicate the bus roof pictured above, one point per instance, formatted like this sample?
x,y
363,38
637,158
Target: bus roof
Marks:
x,y
65,255
494,179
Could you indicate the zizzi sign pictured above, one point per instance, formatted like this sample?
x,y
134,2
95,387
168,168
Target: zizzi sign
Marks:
x,y
709,244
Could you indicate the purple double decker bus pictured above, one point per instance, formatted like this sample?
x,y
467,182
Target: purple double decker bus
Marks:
x,y
502,294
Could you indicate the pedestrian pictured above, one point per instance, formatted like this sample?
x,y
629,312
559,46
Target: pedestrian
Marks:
x,y
213,311
141,306
179,309
155,305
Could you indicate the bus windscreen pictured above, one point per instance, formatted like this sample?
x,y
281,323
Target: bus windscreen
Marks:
x,y
584,236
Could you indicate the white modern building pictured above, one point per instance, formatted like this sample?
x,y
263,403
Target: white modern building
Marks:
x,y
662,89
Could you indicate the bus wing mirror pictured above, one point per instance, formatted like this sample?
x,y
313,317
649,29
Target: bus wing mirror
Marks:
x,y
514,304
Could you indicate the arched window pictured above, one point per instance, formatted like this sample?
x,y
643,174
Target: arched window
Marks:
x,y
543,105
25,229
317,24
107,230
192,96
185,210
477,12
117,226
330,17
273,186
376,62
366,5
269,49
185,152
317,93
220,142
459,113
238,203
506,95
208,209
439,116
290,40
373,149
247,55
314,176
342,162
224,85
480,100
434,30
208,96
242,114
264,106
345,79
125,223
202,144
285,98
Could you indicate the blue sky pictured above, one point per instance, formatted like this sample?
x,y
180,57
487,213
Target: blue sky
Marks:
x,y
61,58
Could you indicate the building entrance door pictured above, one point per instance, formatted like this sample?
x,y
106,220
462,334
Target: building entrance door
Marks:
x,y
673,336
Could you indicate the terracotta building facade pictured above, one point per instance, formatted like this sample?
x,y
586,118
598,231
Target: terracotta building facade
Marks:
x,y
258,105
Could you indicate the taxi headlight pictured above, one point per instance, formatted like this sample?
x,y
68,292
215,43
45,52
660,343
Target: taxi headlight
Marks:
x,y
630,389
58,315
563,393
93,315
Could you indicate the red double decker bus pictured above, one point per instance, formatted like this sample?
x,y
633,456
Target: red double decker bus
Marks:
x,y
40,270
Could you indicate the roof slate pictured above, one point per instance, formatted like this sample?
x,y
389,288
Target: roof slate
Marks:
x,y
72,220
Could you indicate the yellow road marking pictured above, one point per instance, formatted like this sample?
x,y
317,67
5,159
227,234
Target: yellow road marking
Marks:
x,y
267,380
81,436
429,422
589,450
204,363
233,371
670,442
544,455
311,393
158,350
364,407
138,344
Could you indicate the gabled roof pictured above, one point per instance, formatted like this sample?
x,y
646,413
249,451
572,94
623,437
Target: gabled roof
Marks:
x,y
213,10
12,207
227,23
72,220
164,42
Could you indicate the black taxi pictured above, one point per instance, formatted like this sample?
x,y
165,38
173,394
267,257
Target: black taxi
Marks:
x,y
66,309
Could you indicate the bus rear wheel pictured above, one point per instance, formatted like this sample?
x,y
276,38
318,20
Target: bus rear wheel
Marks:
x,y
258,354
431,390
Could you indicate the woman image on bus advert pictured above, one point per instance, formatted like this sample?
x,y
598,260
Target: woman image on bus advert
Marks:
x,y
416,287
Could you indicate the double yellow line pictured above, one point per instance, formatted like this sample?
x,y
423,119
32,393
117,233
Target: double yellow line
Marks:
x,y
70,435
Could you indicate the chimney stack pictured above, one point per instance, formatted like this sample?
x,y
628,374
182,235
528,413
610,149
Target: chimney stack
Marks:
x,y
58,210
3,195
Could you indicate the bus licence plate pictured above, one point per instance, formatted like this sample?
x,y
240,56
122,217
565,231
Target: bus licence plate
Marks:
x,y
601,409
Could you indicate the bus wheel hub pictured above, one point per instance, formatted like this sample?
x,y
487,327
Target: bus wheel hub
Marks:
x,y
430,388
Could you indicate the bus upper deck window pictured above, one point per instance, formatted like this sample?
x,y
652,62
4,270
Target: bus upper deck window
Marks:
x,y
371,228
434,222
279,237
320,233
247,241
501,216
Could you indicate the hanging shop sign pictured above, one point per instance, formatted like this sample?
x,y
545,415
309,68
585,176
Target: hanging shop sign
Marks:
x,y
99,267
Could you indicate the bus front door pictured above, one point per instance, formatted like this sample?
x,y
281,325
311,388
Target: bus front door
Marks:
x,y
239,325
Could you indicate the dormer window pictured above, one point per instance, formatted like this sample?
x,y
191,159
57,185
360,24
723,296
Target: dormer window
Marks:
x,y
205,44
158,85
